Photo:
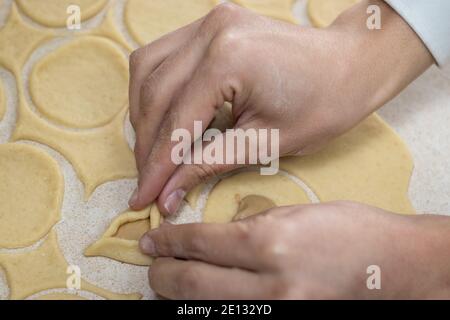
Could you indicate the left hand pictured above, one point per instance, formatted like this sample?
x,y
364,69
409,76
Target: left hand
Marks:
x,y
302,252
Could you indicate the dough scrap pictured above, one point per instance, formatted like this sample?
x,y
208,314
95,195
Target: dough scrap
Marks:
x,y
53,13
31,193
98,156
277,9
43,269
323,12
60,297
370,164
82,84
225,198
148,20
2,102
108,29
18,41
121,240
252,205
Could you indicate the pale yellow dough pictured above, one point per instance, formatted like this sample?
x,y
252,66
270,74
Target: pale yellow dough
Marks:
x,y
43,269
83,84
121,240
53,13
277,9
369,164
98,155
18,40
2,102
148,20
31,192
108,29
225,198
323,12
60,297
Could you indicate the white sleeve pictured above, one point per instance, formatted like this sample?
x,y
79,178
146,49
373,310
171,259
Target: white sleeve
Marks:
x,y
430,19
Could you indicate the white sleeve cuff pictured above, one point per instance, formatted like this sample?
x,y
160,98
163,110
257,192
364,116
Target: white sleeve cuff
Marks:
x,y
430,20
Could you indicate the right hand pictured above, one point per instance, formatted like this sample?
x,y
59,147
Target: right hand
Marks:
x,y
311,84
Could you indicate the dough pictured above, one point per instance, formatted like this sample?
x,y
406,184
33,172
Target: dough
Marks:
x,y
121,240
109,30
252,205
226,197
148,20
53,13
43,269
323,12
83,84
59,297
25,39
98,156
369,164
277,9
31,193
2,102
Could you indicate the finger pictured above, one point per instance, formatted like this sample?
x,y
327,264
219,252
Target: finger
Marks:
x,y
197,101
228,245
178,279
145,60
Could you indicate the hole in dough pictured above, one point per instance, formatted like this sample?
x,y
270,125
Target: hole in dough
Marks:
x,y
253,205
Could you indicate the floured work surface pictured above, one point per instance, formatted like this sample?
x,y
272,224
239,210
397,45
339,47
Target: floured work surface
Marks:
x,y
70,137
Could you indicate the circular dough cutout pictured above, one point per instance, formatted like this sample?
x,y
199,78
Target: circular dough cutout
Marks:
x,y
31,192
148,20
83,84
323,12
53,13
223,202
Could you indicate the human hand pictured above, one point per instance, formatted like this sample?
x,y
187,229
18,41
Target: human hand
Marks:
x,y
303,252
311,84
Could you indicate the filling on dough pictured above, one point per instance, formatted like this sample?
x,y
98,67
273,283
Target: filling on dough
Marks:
x,y
133,230
253,205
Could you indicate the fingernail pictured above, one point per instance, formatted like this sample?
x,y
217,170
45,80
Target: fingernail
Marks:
x,y
134,198
147,245
174,200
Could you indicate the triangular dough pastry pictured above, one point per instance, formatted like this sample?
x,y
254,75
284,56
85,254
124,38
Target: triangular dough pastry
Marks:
x,y
121,240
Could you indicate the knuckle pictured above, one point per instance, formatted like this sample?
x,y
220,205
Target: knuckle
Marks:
x,y
227,42
223,11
